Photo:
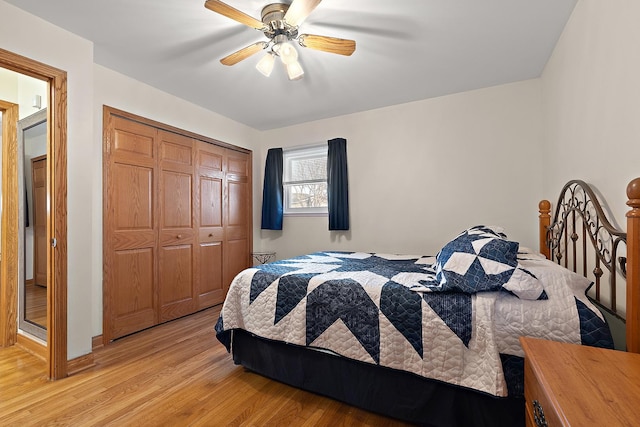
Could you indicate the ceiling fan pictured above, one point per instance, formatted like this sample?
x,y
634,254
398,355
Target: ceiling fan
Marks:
x,y
280,22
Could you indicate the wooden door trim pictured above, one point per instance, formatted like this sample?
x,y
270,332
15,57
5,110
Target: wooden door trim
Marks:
x,y
9,250
57,218
37,229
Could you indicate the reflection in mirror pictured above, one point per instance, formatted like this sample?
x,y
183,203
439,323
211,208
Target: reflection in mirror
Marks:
x,y
32,167
0,173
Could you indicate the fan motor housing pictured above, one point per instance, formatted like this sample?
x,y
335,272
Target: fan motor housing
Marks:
x,y
274,12
273,19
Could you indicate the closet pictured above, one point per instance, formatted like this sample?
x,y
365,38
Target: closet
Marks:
x,y
177,222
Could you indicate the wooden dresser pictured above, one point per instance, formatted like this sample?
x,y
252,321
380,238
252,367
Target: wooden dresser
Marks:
x,y
573,385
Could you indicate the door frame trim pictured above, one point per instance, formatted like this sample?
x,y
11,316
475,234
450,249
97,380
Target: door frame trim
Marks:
x,y
57,213
9,234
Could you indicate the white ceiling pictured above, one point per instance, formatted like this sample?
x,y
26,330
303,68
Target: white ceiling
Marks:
x,y
407,50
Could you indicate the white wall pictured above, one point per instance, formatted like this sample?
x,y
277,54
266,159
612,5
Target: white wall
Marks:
x,y
591,104
21,90
591,101
58,48
421,172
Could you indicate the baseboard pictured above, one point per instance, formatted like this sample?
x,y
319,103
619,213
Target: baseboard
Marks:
x,y
96,342
79,364
31,346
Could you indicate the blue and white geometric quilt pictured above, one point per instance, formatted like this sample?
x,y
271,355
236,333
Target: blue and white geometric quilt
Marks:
x,y
373,308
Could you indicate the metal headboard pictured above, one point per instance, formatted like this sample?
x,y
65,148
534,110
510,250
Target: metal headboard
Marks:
x,y
582,239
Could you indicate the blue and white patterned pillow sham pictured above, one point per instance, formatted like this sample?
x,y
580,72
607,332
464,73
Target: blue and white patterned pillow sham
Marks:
x,y
482,259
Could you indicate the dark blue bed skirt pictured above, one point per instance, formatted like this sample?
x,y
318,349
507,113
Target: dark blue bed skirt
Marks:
x,y
393,393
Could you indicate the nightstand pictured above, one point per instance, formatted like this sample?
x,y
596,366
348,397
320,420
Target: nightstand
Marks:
x,y
574,385
260,258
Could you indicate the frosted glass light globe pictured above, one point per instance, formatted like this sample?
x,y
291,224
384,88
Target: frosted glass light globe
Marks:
x,y
288,53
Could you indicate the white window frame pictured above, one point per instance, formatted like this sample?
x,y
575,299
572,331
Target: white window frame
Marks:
x,y
296,153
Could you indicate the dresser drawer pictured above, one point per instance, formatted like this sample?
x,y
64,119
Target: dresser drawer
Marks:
x,y
578,385
540,412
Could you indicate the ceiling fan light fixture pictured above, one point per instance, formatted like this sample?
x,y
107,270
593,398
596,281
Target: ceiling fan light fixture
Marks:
x,y
287,53
280,24
265,65
294,70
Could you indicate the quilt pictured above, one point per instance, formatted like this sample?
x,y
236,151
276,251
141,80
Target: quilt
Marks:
x,y
386,310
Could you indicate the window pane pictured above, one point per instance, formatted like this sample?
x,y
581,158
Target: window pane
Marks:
x,y
307,195
305,180
308,168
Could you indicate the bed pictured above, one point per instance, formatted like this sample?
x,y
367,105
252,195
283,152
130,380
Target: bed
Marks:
x,y
433,340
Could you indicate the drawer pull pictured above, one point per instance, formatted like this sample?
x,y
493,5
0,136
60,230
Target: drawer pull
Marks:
x,y
538,414
179,236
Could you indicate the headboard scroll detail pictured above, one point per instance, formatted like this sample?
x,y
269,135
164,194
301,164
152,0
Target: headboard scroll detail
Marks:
x,y
580,237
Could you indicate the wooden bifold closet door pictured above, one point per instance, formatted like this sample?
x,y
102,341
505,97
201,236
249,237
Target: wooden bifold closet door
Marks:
x,y
176,252
177,223
211,288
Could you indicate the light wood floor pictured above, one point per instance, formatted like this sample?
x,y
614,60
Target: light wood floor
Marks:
x,y
176,374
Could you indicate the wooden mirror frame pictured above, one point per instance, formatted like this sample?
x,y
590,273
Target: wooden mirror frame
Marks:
x,y
56,218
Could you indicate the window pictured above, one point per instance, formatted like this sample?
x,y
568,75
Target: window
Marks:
x,y
305,180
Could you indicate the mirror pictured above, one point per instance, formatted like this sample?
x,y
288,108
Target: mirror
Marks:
x,y
32,173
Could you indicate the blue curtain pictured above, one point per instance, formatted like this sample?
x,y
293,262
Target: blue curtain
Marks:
x,y
338,184
272,191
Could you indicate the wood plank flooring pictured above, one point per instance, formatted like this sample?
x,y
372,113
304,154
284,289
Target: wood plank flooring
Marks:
x,y
176,374
36,304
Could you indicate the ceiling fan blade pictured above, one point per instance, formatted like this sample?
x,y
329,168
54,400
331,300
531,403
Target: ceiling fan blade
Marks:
x,y
230,12
243,53
328,44
299,10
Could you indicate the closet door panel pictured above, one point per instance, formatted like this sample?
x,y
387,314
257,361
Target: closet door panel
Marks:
x,y
238,191
175,281
211,233
211,290
238,215
236,257
210,202
130,299
176,200
132,198
177,237
237,210
135,308
132,201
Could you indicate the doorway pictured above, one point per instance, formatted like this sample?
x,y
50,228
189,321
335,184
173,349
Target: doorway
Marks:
x,y
56,218
32,225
